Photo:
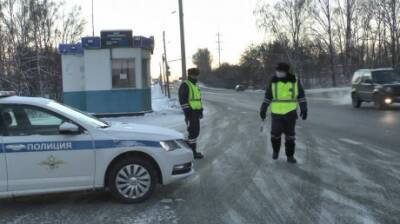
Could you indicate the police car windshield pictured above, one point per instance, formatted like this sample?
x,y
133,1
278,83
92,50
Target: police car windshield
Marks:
x,y
78,115
389,76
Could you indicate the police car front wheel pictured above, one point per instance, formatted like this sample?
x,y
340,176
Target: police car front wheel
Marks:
x,y
132,180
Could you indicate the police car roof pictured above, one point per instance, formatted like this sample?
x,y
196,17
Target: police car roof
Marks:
x,y
24,100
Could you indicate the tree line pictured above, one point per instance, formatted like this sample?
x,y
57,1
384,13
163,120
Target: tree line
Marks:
x,y
325,41
30,31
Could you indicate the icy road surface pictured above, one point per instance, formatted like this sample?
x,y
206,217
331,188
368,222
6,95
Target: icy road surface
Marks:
x,y
348,172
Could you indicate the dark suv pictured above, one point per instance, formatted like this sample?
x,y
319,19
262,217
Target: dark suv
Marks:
x,y
380,86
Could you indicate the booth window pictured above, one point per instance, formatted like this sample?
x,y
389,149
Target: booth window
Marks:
x,y
146,73
123,73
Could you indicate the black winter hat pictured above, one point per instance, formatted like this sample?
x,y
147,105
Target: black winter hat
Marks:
x,y
282,66
194,71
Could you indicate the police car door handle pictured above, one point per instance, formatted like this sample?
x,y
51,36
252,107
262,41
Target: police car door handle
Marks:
x,y
16,147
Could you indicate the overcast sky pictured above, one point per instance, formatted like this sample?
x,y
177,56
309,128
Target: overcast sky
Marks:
x,y
234,19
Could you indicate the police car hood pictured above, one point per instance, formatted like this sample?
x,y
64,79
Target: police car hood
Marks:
x,y
120,130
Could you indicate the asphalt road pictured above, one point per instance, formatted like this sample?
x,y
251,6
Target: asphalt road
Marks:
x,y
348,172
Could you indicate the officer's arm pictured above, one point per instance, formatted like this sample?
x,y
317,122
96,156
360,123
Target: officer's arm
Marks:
x,y
267,98
184,97
302,97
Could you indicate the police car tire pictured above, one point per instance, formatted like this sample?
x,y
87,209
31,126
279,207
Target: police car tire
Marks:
x,y
132,161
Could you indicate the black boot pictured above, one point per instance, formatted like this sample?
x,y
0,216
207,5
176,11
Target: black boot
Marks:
x,y
291,159
276,146
198,155
290,149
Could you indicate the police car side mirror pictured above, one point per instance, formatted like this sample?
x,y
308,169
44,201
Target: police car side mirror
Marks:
x,y
68,128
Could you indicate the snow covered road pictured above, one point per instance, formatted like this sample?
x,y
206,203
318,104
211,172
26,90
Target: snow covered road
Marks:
x,y
348,172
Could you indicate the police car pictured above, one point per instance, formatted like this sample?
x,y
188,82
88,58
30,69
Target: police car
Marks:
x,y
48,147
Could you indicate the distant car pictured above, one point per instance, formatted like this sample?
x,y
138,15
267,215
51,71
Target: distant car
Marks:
x,y
240,87
380,86
48,147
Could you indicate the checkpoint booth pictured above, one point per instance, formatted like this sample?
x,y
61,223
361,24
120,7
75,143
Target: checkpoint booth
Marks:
x,y
109,74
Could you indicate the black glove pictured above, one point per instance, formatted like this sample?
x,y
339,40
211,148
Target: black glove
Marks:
x,y
303,114
263,111
201,114
263,115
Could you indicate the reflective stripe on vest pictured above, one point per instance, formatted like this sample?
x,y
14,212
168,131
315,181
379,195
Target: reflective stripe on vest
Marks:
x,y
284,97
194,96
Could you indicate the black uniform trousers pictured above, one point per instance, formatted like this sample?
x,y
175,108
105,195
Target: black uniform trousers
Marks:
x,y
284,124
193,127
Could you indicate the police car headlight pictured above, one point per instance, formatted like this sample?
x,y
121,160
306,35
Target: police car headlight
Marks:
x,y
169,145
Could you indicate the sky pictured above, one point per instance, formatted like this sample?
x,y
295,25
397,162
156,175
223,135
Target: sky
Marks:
x,y
233,19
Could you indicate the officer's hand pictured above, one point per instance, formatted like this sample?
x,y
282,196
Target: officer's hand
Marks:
x,y
303,115
201,114
263,114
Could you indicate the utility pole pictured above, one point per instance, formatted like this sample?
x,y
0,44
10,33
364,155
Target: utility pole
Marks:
x,y
219,48
182,29
161,79
166,65
163,75
92,20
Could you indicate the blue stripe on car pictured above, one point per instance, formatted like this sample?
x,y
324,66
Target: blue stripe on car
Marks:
x,y
74,145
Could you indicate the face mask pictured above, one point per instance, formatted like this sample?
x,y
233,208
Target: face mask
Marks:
x,y
280,74
195,78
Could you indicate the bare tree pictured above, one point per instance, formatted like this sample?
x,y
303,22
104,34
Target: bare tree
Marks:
x,y
323,31
29,32
287,22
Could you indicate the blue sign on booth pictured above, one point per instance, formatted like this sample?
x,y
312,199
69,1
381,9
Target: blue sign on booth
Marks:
x,y
70,48
91,42
116,38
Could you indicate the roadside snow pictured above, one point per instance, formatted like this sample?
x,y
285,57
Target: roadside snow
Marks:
x,y
328,90
338,96
159,102
166,113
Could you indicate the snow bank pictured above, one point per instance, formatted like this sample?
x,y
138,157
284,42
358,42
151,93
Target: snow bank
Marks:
x,y
160,102
329,90
167,112
339,95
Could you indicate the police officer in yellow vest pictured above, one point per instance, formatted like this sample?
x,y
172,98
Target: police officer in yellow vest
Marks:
x,y
284,93
190,100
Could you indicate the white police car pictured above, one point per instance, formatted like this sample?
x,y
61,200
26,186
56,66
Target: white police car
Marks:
x,y
48,147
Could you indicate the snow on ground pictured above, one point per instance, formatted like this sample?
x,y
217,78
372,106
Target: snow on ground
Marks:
x,y
166,112
160,102
338,95
328,90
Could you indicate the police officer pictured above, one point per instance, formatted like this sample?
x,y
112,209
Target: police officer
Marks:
x,y
190,100
284,93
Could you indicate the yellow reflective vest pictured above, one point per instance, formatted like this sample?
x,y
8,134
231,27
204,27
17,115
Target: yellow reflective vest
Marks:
x,y
284,97
194,96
